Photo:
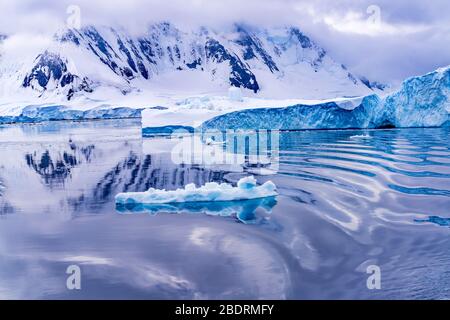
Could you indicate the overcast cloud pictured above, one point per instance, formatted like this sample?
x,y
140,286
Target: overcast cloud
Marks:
x,y
382,39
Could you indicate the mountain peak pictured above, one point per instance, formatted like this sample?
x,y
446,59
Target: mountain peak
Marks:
x,y
266,62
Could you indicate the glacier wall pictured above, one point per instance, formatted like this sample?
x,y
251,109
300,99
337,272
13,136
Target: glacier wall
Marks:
x,y
422,101
34,114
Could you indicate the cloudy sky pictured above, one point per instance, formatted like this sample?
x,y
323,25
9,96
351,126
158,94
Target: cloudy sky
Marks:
x,y
382,39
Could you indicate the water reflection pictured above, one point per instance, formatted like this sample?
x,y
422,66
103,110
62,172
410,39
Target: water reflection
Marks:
x,y
93,161
344,203
56,171
245,211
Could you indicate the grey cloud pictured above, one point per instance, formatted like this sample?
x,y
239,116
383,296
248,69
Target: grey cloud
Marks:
x,y
385,57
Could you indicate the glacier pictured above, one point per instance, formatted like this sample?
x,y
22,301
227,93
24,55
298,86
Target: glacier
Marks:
x,y
34,114
422,101
247,189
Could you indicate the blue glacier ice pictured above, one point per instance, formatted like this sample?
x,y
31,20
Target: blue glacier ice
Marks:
x,y
34,114
421,102
246,189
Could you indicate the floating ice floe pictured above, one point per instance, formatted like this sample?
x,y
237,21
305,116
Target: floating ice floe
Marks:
x,y
361,136
246,189
212,199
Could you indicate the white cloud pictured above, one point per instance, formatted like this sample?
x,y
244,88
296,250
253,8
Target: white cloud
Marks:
x,y
356,22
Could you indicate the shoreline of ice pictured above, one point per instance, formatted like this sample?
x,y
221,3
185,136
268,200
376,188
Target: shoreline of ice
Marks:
x,y
44,113
422,101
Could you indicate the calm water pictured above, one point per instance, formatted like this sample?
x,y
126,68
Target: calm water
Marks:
x,y
348,199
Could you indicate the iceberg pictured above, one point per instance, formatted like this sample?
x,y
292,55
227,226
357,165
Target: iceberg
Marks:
x,y
246,189
361,136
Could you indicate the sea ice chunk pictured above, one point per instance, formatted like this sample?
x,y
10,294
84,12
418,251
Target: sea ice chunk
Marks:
x,y
361,136
247,189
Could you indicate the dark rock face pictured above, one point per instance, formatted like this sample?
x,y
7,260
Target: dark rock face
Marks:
x,y
50,67
253,48
374,84
240,75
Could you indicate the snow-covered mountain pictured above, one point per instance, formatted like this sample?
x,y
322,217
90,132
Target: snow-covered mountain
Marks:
x,y
99,62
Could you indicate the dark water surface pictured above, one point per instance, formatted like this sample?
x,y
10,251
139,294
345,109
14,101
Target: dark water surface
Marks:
x,y
348,199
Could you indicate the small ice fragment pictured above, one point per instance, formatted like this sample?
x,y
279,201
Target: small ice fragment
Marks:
x,y
361,136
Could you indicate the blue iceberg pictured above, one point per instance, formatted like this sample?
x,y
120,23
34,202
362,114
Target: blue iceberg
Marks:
x,y
247,189
422,101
